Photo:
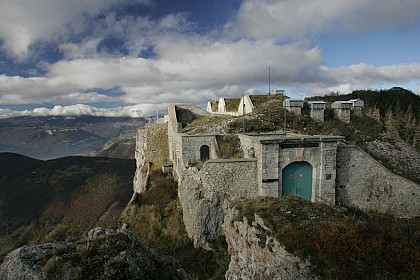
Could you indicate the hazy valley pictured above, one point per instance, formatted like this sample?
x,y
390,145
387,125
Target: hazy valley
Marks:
x,y
57,136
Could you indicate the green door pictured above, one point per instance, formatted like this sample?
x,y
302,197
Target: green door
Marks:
x,y
297,180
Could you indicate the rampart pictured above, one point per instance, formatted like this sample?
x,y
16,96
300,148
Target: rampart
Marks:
x,y
364,183
236,178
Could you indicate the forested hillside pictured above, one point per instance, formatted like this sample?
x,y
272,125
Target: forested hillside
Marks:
x,y
60,199
397,108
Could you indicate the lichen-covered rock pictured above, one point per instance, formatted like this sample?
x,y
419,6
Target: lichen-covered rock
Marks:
x,y
25,263
106,254
257,255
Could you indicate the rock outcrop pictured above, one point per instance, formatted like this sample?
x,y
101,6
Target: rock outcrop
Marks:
x,y
108,253
203,211
257,255
25,263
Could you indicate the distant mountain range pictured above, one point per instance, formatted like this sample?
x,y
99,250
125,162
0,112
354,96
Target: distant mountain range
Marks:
x,y
59,136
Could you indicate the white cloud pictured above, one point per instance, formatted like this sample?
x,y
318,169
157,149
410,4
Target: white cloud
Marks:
x,y
189,67
369,74
82,110
290,19
25,22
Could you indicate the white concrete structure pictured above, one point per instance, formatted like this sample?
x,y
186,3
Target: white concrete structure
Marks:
x,y
317,110
245,105
357,107
294,106
213,107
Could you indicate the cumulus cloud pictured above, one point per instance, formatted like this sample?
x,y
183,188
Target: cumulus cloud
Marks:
x,y
287,19
133,111
25,22
164,60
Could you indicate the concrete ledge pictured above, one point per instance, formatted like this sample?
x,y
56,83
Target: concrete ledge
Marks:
x,y
232,160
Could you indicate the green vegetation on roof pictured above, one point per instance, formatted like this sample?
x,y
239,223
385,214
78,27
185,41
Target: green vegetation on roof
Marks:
x,y
232,104
258,100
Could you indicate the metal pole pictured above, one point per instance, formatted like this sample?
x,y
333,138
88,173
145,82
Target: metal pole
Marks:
x,y
269,77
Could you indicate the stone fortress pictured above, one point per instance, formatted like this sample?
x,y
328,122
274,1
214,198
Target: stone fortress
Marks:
x,y
318,168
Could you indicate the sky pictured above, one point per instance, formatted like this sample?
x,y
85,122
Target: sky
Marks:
x,y
133,57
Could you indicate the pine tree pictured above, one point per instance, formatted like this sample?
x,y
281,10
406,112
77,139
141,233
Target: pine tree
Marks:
x,y
390,122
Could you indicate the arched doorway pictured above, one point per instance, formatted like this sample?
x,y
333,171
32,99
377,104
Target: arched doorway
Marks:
x,y
204,153
297,180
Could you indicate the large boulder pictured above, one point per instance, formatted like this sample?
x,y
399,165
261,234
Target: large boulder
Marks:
x,y
106,254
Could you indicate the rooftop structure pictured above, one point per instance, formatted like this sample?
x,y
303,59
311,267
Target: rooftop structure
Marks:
x,y
317,105
342,105
293,103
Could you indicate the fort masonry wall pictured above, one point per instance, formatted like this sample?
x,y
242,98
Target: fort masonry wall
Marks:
x,y
364,183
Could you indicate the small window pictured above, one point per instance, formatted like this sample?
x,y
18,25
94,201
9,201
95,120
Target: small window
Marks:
x,y
204,153
328,177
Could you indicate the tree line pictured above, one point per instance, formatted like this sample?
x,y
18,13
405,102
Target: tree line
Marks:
x,y
397,108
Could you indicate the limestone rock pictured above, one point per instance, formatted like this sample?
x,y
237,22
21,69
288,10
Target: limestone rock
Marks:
x,y
25,263
203,212
108,253
139,180
257,255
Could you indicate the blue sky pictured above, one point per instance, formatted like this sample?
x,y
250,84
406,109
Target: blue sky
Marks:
x,y
131,57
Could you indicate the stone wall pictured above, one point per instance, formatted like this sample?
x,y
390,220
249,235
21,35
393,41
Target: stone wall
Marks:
x,y
191,147
364,183
151,146
321,158
297,111
202,211
205,195
270,178
236,178
251,147
358,111
317,115
343,115
157,142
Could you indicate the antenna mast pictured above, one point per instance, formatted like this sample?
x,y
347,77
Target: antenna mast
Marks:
x,y
269,77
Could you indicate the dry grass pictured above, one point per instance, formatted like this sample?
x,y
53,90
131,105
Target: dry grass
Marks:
x,y
156,219
229,146
366,246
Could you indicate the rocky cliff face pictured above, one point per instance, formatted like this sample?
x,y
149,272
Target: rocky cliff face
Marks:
x,y
203,211
151,147
112,254
257,255
141,167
